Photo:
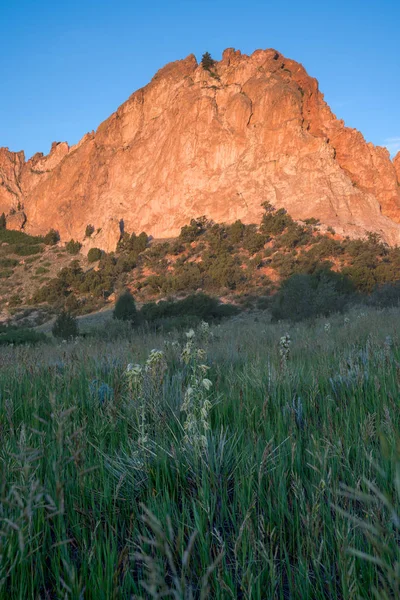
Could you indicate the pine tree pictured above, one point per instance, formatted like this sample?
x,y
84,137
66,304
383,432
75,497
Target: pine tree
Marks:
x,y
207,61
3,222
65,326
125,308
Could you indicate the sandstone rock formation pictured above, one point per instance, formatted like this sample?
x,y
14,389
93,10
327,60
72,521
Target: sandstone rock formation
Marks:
x,y
16,220
396,163
218,143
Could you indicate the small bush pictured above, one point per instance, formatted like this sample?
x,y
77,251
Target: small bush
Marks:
x,y
190,232
21,336
125,308
3,222
200,305
94,254
8,262
21,250
89,230
133,243
12,236
65,326
73,247
5,273
51,238
304,296
15,300
385,296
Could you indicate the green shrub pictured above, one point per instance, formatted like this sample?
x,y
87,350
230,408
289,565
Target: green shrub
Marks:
x,y
296,235
21,336
89,230
235,232
71,304
176,248
125,308
15,300
305,296
22,250
189,233
94,254
73,247
126,262
134,243
252,241
196,305
3,222
65,326
386,295
51,238
362,276
12,236
6,273
8,262
274,221
53,292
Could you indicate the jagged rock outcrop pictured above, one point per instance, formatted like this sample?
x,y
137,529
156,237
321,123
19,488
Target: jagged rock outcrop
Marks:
x,y
16,220
217,143
396,163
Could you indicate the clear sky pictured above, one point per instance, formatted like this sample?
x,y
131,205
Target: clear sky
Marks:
x,y
66,65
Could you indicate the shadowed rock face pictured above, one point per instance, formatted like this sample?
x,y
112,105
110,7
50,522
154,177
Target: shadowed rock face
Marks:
x,y
195,143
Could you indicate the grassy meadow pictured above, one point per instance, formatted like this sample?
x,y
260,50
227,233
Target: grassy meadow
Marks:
x,y
237,463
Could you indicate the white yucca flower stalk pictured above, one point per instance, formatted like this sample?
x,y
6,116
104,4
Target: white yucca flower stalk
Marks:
x,y
204,332
134,376
284,350
196,404
156,365
144,384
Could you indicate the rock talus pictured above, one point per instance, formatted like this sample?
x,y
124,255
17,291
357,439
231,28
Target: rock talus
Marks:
x,y
220,143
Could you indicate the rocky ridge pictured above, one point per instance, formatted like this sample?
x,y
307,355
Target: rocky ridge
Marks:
x,y
217,143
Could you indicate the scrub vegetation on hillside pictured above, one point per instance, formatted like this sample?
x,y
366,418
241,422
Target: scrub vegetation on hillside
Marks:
x,y
243,263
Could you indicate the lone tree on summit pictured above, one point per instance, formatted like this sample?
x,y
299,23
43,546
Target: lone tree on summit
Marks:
x,y
207,61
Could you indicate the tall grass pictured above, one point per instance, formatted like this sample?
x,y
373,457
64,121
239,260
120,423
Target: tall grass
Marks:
x,y
293,492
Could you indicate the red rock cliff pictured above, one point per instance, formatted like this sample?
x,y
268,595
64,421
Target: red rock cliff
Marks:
x,y
219,144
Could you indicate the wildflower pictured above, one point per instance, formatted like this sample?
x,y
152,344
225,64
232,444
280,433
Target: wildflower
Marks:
x,y
207,384
284,349
133,369
204,327
195,404
346,320
186,354
204,331
156,365
190,334
327,327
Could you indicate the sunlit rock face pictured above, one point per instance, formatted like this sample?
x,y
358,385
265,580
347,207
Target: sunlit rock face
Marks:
x,y
193,142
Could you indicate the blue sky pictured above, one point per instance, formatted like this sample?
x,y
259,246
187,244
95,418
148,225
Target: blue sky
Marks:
x,y
66,66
